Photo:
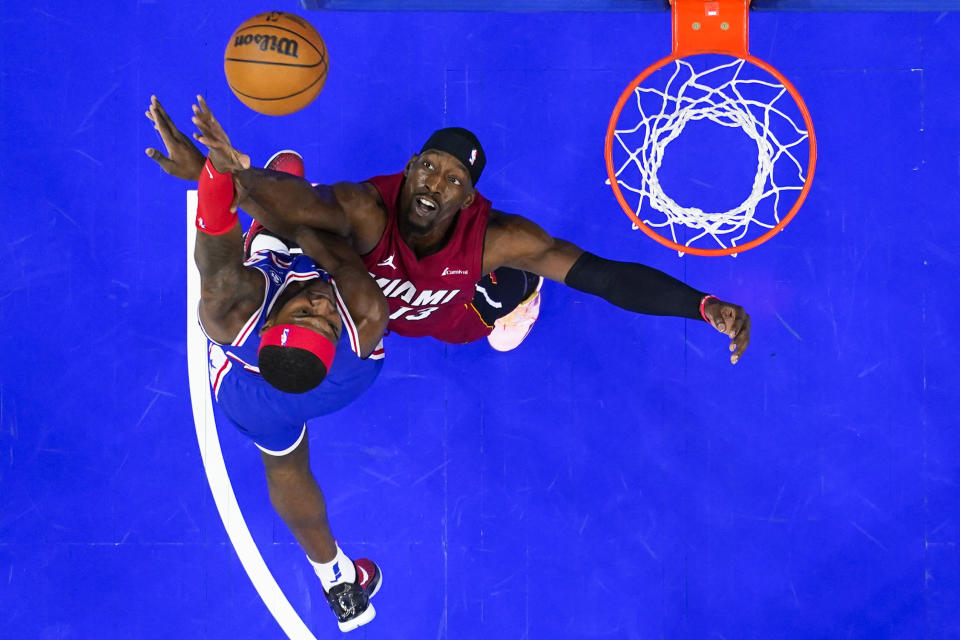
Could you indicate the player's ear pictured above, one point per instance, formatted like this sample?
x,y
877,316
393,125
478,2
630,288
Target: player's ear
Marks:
x,y
469,199
266,325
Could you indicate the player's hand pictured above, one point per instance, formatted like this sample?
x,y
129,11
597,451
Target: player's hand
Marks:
x,y
732,320
222,154
185,161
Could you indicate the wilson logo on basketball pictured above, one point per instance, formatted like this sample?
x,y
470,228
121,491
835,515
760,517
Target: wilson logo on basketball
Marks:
x,y
283,46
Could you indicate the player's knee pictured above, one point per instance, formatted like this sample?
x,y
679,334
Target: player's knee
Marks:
x,y
286,468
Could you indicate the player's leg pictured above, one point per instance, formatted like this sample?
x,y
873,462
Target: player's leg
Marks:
x,y
509,301
297,498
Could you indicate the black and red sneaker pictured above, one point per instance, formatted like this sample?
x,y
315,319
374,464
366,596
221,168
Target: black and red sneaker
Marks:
x,y
350,601
287,161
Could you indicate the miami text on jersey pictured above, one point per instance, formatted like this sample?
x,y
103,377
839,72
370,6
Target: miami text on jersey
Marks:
x,y
421,303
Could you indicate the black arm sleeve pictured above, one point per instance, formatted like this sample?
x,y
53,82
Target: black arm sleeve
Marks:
x,y
634,287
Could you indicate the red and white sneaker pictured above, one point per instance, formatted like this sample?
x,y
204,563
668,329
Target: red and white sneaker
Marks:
x,y
510,330
258,238
287,161
350,601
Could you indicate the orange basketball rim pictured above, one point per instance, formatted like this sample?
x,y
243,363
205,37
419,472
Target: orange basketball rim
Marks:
x,y
710,27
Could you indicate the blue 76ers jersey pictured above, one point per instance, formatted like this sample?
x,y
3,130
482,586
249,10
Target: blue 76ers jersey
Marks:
x,y
272,418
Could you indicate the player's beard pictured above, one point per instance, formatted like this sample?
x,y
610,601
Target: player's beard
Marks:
x,y
417,225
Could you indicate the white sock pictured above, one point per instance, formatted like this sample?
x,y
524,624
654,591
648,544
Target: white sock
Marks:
x,y
335,572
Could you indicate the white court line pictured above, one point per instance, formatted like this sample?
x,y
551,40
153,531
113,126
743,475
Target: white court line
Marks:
x,y
216,470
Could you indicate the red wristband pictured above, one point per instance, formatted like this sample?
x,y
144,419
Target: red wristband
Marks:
x,y
704,302
214,197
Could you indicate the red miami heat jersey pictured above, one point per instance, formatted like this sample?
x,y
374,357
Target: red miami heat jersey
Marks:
x,y
432,296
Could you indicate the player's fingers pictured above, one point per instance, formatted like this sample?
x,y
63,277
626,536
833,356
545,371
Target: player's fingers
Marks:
x,y
202,119
715,321
161,123
160,115
160,107
737,322
159,158
712,315
157,155
735,358
739,345
729,317
204,109
164,119
204,126
156,106
168,133
211,144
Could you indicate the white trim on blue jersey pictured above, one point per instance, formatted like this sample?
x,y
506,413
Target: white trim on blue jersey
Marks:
x,y
289,449
347,320
219,365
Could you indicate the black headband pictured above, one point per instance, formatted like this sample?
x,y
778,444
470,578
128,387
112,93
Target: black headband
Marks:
x,y
463,146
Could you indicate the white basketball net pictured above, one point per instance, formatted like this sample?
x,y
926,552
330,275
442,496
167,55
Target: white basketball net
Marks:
x,y
721,95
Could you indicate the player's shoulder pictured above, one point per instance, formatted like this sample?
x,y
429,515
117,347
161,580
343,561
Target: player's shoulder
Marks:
x,y
510,237
510,227
227,303
502,219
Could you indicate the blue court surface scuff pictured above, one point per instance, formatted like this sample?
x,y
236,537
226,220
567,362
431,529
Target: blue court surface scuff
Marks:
x,y
614,477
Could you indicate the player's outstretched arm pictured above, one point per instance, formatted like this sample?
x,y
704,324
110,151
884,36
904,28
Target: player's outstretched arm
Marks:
x,y
282,202
362,296
517,242
229,291
279,201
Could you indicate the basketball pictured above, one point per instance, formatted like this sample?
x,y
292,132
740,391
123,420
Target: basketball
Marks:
x,y
275,63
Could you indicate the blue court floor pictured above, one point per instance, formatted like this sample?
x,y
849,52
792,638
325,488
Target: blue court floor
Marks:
x,y
614,477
